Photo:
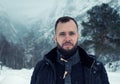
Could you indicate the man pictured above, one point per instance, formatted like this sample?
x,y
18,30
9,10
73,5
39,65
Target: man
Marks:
x,y
68,63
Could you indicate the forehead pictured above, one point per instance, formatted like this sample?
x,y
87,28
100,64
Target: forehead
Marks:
x,y
67,26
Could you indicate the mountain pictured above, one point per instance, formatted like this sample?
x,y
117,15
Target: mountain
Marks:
x,y
13,29
7,28
35,32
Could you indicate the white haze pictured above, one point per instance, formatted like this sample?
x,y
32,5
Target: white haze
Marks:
x,y
25,10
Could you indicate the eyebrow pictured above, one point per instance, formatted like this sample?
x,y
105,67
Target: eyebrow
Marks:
x,y
70,32
62,33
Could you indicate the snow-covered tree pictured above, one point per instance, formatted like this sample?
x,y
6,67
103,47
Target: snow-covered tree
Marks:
x,y
102,31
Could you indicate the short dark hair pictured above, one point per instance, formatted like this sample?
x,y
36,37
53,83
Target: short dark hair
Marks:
x,y
65,19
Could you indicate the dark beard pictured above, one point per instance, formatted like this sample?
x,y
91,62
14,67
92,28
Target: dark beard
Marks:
x,y
66,54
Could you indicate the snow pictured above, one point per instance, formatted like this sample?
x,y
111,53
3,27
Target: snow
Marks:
x,y
114,77
10,76
113,66
23,76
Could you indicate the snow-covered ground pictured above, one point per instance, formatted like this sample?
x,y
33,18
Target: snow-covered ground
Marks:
x,y
114,77
10,76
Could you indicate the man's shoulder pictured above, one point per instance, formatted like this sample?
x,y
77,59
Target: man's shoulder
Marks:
x,y
92,56
97,62
39,63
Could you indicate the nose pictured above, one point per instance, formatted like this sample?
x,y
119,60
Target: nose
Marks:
x,y
67,37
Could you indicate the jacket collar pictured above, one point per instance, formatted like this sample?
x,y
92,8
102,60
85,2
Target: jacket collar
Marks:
x,y
85,59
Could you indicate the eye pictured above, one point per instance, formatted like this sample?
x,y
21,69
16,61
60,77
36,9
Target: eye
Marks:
x,y
62,34
71,33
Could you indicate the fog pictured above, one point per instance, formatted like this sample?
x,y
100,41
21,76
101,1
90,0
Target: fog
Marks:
x,y
25,9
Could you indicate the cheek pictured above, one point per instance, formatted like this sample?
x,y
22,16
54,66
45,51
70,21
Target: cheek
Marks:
x,y
60,41
75,40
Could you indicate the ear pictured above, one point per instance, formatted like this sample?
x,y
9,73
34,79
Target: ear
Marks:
x,y
78,35
55,38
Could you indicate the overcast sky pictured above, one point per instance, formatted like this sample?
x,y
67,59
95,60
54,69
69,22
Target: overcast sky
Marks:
x,y
30,9
26,8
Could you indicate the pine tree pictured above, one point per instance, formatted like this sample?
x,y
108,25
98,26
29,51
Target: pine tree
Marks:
x,y
103,31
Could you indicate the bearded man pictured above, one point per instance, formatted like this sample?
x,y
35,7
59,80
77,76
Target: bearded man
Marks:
x,y
68,63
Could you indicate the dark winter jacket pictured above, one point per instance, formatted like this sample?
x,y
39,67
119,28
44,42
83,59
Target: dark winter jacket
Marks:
x,y
45,72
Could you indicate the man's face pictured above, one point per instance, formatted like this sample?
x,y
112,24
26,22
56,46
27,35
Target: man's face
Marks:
x,y
66,35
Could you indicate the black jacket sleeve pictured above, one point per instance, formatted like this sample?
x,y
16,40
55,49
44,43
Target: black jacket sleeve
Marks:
x,y
104,76
35,73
